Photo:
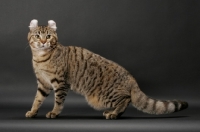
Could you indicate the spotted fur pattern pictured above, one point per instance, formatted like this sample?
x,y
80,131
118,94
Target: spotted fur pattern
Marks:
x,y
105,84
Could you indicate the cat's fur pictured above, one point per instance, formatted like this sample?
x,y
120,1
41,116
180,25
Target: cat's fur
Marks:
x,y
105,84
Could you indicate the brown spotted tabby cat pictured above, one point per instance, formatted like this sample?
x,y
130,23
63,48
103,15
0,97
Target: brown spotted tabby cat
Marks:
x,y
105,84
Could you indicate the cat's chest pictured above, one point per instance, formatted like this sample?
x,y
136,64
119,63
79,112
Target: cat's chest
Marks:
x,y
45,76
46,73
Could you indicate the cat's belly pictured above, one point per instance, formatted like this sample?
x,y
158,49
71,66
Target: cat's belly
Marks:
x,y
93,99
94,102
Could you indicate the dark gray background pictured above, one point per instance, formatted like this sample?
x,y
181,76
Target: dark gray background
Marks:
x,y
157,41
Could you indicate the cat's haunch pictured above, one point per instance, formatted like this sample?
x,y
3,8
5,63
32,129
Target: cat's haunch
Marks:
x,y
105,84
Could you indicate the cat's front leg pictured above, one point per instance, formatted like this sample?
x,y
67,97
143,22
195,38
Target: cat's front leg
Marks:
x,y
43,91
41,94
60,94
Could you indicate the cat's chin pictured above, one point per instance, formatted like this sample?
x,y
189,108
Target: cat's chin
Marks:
x,y
41,48
42,52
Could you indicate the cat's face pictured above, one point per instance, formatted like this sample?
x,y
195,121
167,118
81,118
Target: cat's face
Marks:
x,y
42,38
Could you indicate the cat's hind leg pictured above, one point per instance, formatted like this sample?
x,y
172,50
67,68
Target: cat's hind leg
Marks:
x,y
118,110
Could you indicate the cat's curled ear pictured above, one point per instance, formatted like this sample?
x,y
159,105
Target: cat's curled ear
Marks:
x,y
33,24
52,25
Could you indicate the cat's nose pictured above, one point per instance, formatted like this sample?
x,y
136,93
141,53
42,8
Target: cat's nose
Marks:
x,y
43,41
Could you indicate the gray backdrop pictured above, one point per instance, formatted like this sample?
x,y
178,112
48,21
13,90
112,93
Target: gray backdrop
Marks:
x,y
157,41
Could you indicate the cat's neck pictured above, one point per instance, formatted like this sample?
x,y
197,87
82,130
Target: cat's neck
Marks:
x,y
41,55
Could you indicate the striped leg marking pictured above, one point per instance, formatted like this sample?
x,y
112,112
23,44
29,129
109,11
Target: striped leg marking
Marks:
x,y
60,95
39,99
118,111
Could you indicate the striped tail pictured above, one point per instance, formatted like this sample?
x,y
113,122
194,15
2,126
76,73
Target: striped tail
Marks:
x,y
154,106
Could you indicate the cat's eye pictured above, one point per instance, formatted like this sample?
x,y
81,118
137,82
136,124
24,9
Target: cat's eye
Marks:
x,y
48,36
37,36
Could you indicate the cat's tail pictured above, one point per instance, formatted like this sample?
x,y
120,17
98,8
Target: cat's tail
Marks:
x,y
155,106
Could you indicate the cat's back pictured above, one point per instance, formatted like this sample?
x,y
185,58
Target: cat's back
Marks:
x,y
87,69
79,56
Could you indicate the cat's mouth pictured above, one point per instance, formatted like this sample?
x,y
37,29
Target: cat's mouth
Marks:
x,y
39,46
43,48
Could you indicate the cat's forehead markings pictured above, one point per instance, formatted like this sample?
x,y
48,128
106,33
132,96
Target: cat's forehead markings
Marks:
x,y
43,29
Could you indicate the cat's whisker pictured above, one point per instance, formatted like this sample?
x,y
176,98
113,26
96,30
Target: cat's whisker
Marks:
x,y
27,47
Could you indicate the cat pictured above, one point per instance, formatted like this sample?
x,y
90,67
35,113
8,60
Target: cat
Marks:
x,y
105,84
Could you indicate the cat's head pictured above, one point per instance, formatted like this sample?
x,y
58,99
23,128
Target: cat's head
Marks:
x,y
42,37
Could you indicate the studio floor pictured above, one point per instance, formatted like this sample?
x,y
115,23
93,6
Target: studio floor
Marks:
x,y
78,116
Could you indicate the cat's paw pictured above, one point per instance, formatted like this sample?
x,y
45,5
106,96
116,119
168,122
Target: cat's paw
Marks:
x,y
108,115
105,112
31,114
111,116
51,115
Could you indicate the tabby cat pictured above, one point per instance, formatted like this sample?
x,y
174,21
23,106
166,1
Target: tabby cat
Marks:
x,y
105,84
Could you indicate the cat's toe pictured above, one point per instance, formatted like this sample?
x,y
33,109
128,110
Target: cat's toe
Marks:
x,y
31,114
110,116
51,115
105,113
